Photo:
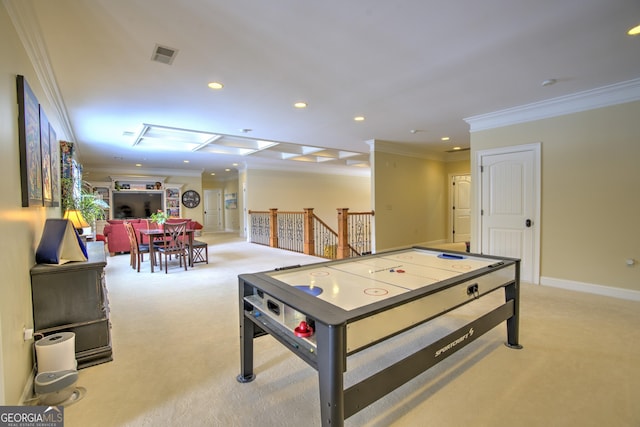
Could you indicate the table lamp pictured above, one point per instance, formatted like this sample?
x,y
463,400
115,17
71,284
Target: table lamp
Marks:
x,y
76,218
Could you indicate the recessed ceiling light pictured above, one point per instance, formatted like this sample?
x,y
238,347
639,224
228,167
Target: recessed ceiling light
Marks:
x,y
186,161
634,31
138,164
235,164
445,138
300,104
227,170
457,148
213,173
359,118
215,85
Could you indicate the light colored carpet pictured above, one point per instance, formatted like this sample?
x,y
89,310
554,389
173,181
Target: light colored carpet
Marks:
x,y
176,358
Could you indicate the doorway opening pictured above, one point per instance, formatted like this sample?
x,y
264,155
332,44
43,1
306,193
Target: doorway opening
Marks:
x,y
460,208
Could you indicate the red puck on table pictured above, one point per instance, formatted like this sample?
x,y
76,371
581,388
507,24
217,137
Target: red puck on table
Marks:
x,y
303,330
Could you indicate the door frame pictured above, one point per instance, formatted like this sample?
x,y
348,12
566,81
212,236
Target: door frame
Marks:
x,y
476,198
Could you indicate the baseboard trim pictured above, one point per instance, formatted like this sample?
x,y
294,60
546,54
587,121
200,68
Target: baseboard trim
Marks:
x,y
591,288
432,243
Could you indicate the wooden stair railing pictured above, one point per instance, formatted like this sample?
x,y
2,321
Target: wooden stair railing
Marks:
x,y
306,233
325,240
359,231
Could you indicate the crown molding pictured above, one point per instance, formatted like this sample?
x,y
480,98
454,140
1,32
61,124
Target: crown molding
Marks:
x,y
25,21
605,96
131,172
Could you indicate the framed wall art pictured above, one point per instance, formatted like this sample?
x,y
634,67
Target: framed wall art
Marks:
x,y
55,166
29,144
45,150
231,201
66,160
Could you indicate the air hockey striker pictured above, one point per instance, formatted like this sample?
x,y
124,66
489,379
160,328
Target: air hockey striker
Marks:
x,y
328,311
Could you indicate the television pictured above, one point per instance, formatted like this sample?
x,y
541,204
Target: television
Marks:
x,y
136,204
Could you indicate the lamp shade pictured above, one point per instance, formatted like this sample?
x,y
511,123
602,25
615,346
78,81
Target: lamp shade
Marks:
x,y
76,218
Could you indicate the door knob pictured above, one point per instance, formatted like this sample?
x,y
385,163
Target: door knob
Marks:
x,y
528,223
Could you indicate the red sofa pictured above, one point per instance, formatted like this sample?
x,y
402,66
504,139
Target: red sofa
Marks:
x,y
116,235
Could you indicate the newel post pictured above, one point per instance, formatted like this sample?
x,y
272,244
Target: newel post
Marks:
x,y
343,234
309,242
273,228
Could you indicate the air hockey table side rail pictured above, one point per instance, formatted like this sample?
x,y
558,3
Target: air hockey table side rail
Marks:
x,y
261,296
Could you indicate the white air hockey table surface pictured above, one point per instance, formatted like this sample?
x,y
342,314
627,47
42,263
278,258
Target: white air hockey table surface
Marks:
x,y
360,282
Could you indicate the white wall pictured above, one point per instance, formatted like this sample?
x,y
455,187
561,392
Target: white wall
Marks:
x,y
590,192
295,191
20,227
410,199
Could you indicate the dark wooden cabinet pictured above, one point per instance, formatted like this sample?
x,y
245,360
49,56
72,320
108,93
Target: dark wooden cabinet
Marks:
x,y
73,298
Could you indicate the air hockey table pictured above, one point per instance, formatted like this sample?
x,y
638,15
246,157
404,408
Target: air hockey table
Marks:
x,y
328,311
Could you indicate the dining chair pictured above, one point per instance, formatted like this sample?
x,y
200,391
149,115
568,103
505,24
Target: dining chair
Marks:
x,y
137,249
200,251
175,243
150,225
132,258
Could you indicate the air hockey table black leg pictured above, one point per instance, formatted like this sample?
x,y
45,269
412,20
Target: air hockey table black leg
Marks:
x,y
512,292
331,368
246,350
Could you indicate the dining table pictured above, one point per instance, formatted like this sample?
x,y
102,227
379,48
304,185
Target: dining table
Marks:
x,y
156,234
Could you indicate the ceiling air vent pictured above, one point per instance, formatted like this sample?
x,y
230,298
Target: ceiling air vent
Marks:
x,y
164,54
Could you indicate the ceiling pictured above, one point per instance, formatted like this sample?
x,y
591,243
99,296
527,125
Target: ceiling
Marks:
x,y
414,69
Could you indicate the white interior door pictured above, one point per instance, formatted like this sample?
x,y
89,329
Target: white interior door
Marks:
x,y
510,208
213,210
461,209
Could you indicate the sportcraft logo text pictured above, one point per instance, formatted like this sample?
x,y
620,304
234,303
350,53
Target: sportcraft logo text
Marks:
x,y
454,343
